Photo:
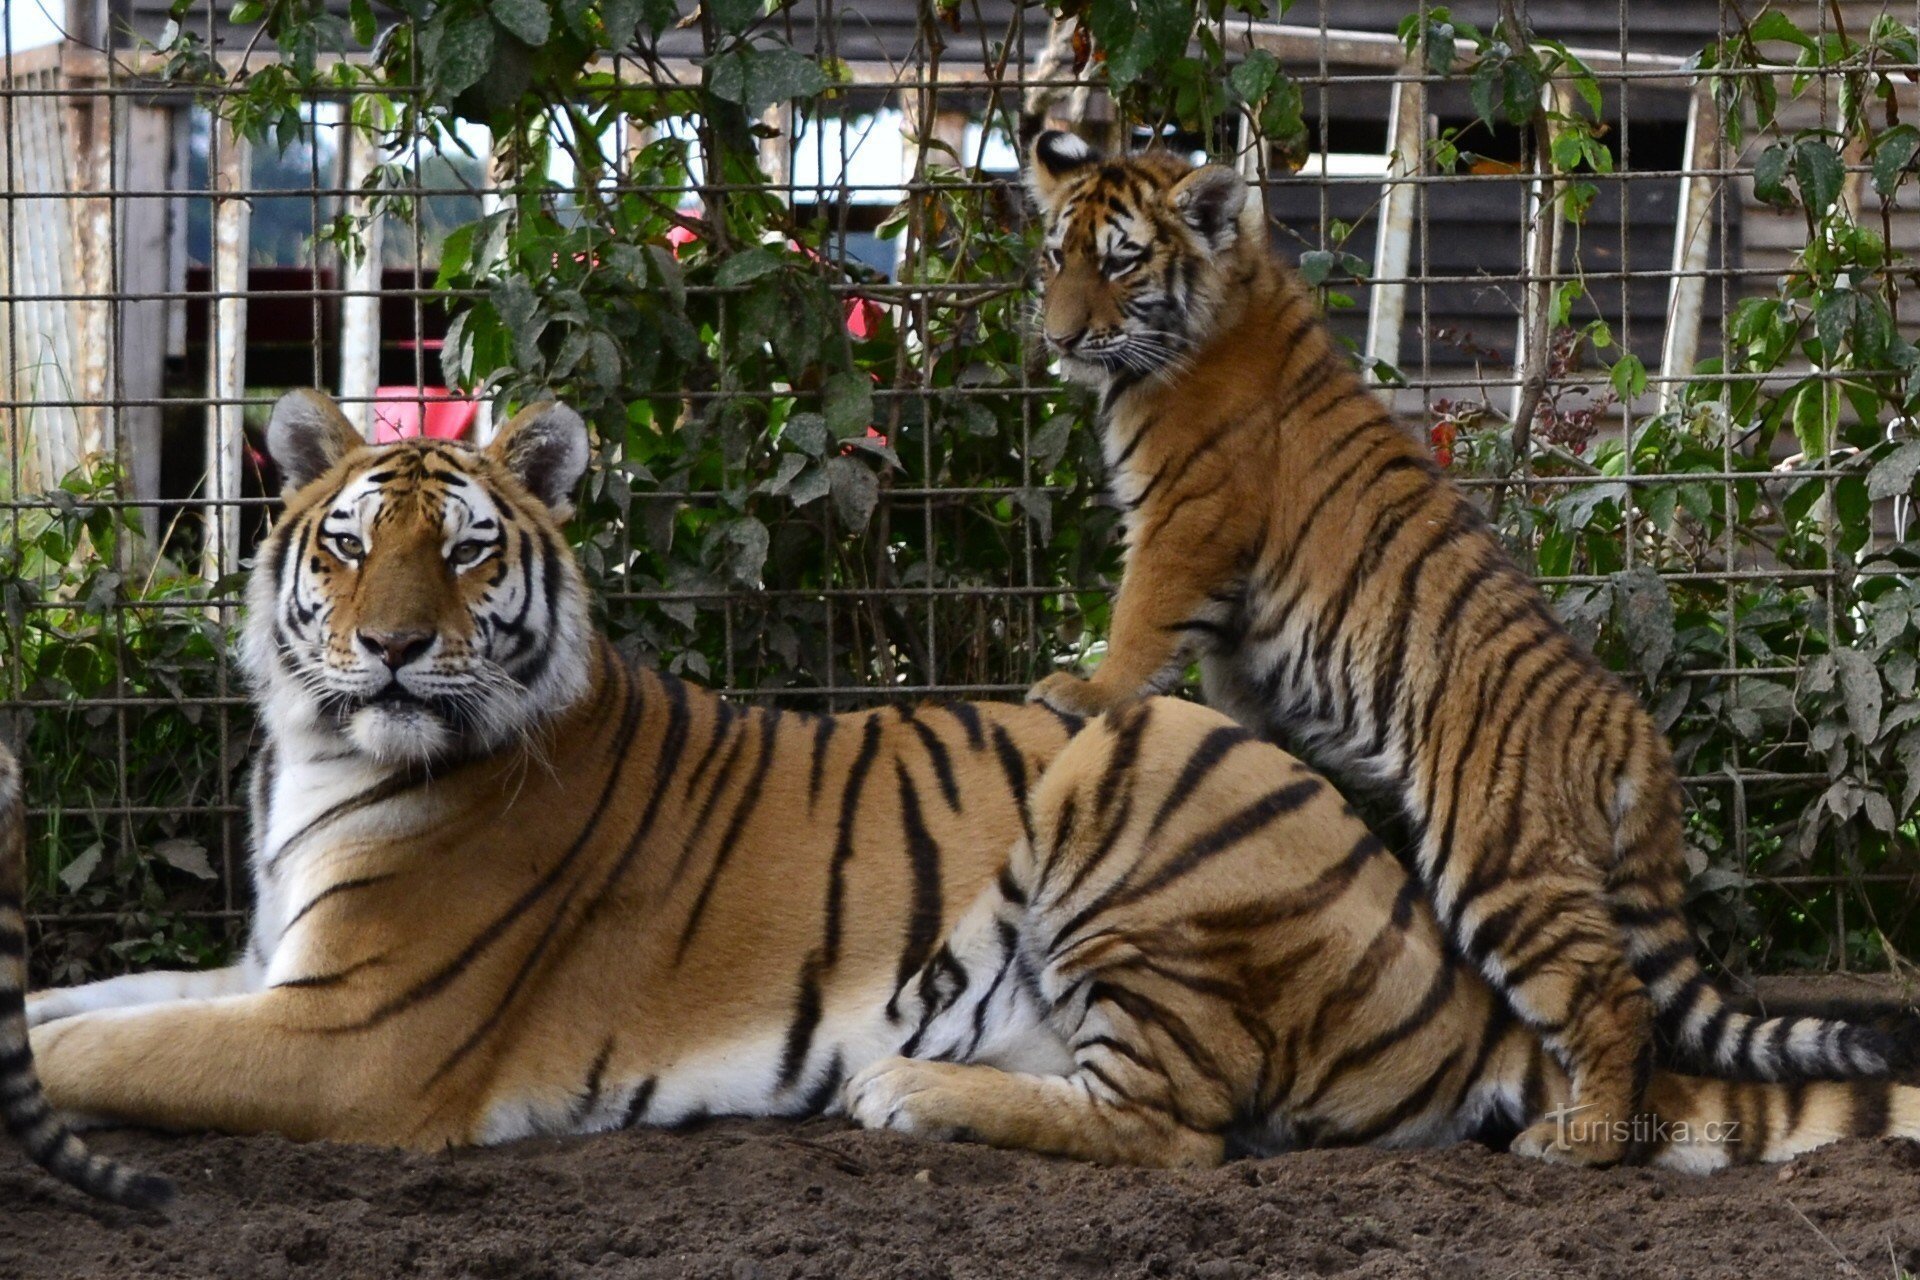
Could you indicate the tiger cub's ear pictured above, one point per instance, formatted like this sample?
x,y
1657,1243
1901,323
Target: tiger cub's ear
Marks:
x,y
1055,158
545,446
306,436
1210,200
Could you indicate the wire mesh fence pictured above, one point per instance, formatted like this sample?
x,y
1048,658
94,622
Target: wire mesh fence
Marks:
x,y
781,258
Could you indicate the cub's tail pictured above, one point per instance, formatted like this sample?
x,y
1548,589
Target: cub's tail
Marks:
x,y
23,1107
1703,1125
1709,1034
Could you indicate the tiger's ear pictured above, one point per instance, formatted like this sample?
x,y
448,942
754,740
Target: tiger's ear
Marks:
x,y
545,446
1056,156
1210,200
306,435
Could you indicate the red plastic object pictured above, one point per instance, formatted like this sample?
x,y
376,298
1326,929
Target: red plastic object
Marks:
x,y
400,413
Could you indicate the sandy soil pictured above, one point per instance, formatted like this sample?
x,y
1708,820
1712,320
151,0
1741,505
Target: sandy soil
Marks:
x,y
765,1201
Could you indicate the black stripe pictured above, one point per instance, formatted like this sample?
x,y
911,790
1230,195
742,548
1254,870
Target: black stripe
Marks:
x,y
1200,762
730,839
444,976
1246,823
843,841
344,886
924,917
638,1103
595,1073
969,717
1872,1107
1014,766
822,734
821,1096
942,764
806,1020
386,789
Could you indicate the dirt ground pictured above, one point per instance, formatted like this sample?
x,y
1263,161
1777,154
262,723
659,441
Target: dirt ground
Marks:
x,y
765,1200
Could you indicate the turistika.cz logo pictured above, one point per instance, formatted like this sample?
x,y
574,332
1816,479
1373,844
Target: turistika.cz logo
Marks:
x,y
1644,1130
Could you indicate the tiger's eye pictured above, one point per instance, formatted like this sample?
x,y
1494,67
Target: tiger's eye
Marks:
x,y
466,553
349,547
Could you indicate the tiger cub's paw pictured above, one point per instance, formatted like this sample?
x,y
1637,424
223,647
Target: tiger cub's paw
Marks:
x,y
1550,1141
1070,695
907,1095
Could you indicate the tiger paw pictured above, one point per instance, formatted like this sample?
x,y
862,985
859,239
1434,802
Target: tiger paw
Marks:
x,y
1070,695
1565,1140
907,1095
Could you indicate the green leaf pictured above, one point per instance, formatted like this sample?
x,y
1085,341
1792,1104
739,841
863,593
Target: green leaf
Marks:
x,y
1860,691
1892,476
748,265
360,18
791,464
1892,153
855,489
1774,25
1629,376
1810,418
1770,176
1645,612
1253,77
1818,169
462,52
758,78
812,485
1316,265
747,541
808,433
848,404
735,15
530,20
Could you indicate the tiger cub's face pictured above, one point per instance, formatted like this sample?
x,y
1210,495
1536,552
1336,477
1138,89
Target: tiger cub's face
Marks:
x,y
418,600
1136,254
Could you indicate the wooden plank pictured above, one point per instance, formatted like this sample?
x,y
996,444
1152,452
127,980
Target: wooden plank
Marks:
x,y
360,309
230,170
1692,237
1406,133
145,267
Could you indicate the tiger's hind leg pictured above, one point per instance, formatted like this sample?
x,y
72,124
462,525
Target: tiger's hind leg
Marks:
x,y
1548,944
1081,1114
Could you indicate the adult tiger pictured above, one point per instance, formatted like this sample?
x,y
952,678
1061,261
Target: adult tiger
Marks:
x,y
1344,597
506,884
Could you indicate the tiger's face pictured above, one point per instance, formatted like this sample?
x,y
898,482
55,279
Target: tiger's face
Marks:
x,y
1137,253
418,600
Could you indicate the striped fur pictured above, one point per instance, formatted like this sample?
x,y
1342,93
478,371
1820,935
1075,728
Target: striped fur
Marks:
x,y
1202,951
1343,596
46,1138
608,898
646,905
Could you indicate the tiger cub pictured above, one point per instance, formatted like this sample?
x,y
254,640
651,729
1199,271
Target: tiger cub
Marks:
x,y
1201,951
47,1139
1343,596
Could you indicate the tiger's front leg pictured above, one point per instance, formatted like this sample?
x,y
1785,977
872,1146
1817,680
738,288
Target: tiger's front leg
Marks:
x,y
132,989
274,1060
1169,601
1075,1115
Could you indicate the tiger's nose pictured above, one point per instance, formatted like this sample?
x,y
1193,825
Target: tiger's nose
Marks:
x,y
396,648
1067,341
